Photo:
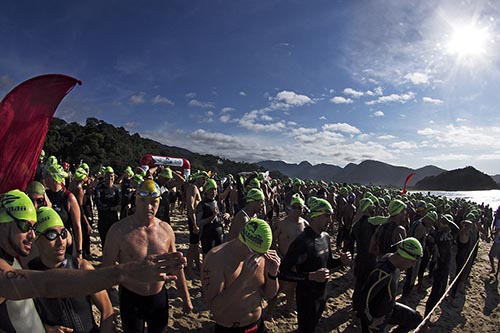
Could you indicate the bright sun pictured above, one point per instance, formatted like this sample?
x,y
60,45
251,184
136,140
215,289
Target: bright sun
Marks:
x,y
468,41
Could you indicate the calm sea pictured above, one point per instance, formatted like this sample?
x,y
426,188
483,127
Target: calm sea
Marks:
x,y
491,197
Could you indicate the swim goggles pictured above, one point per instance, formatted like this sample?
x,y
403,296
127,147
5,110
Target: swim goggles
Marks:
x,y
144,194
52,234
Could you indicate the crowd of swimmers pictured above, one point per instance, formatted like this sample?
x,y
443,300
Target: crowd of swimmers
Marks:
x,y
260,239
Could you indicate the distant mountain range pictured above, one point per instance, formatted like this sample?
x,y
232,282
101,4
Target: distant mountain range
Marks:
x,y
367,172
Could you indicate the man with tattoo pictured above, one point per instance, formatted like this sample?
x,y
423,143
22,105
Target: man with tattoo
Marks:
x,y
237,275
138,236
17,286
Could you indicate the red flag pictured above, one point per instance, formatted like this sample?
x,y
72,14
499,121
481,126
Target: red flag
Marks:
x,y
25,115
406,182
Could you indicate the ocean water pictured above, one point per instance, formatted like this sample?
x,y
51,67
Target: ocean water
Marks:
x,y
490,197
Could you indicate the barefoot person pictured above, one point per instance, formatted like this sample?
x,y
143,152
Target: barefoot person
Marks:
x,y
136,237
71,314
237,275
17,233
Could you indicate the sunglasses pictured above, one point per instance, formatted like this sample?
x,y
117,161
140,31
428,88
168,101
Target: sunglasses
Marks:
x,y
144,194
23,225
52,234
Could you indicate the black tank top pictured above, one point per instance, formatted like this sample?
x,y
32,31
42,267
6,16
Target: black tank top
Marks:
x,y
74,312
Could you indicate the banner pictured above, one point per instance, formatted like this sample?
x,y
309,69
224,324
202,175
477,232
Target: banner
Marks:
x,y
25,115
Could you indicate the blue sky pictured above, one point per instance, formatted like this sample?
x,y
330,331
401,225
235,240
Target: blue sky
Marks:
x,y
409,83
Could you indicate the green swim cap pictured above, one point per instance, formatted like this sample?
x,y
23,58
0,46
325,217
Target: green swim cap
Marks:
x,y
448,218
396,207
56,172
138,178
257,235
80,174
52,160
297,200
16,204
254,194
129,171
47,218
35,188
298,182
166,173
85,167
344,191
200,174
253,183
319,207
432,215
410,248
365,203
109,169
439,201
210,184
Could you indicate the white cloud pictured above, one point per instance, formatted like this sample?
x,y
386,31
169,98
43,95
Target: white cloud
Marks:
x,y
303,131
432,100
287,99
404,145
401,98
161,100
378,113
427,131
197,103
137,99
225,118
249,119
341,100
353,93
266,117
370,93
191,95
210,113
322,118
449,157
291,123
226,110
417,78
242,93
379,91
341,127
386,137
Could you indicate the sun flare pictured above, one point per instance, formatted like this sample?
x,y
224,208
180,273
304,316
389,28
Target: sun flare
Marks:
x,y
468,41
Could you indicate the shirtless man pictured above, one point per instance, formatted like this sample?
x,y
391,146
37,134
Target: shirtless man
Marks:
x,y
134,238
237,275
17,233
284,233
254,205
193,198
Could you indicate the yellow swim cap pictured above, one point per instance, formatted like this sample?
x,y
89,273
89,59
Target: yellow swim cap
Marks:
x,y
16,204
148,188
46,219
257,235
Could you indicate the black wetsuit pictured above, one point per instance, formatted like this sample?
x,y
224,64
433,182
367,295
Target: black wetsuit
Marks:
x,y
384,236
308,253
411,273
74,312
441,271
361,233
379,300
213,232
127,192
105,199
60,202
136,309
164,209
463,252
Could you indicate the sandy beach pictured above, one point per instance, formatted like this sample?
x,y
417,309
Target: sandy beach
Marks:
x,y
477,311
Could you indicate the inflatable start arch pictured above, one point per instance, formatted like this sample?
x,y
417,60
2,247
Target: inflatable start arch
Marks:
x,y
155,160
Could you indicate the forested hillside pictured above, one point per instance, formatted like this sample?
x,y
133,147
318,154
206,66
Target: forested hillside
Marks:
x,y
99,143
